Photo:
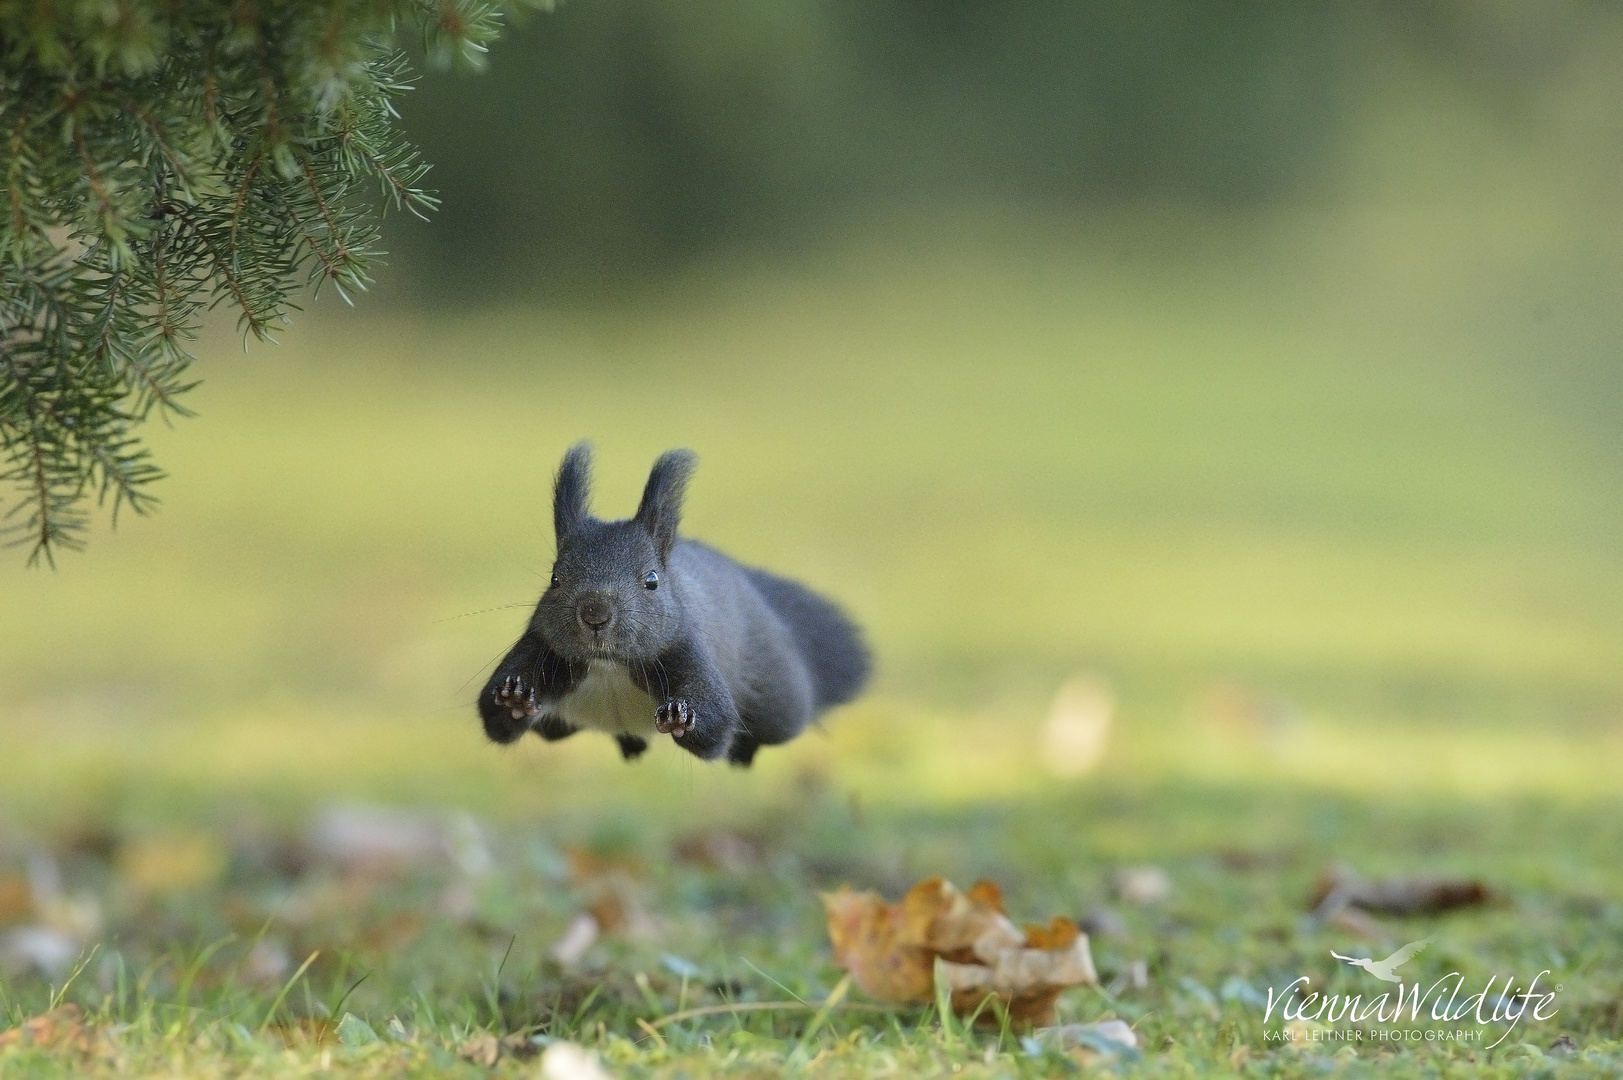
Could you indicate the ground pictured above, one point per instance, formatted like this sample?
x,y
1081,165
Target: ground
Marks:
x,y
1340,590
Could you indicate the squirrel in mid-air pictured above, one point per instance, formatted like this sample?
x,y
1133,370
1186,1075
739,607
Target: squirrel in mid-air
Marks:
x,y
642,632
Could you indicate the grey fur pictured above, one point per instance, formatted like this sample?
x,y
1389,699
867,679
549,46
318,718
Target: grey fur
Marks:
x,y
730,658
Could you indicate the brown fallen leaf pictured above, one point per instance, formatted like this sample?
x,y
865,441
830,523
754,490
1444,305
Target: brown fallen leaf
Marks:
x,y
176,862
872,942
587,865
719,849
612,888
16,900
482,1049
487,1048
63,1028
894,951
394,932
519,1045
1339,887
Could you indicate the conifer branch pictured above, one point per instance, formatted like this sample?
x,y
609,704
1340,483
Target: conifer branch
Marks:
x,y
146,182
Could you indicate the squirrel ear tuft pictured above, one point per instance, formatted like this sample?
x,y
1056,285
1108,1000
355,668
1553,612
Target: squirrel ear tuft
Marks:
x,y
571,490
661,508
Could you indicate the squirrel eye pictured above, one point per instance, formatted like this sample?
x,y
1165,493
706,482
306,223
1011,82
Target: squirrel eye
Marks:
x,y
651,581
554,581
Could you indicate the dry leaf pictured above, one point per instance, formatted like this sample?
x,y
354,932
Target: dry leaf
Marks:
x,y
395,932
60,1029
519,1045
579,936
1142,884
566,1061
611,887
719,849
1340,887
486,1048
482,1049
176,862
16,900
586,866
871,942
892,950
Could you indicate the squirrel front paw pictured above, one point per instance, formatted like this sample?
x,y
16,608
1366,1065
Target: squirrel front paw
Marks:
x,y
517,697
675,718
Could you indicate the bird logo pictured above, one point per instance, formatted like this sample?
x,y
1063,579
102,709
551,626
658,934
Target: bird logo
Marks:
x,y
1385,970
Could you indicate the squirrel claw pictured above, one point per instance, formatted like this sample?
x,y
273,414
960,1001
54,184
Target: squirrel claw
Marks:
x,y
675,718
517,699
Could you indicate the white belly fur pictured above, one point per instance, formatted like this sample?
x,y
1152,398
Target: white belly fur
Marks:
x,y
607,700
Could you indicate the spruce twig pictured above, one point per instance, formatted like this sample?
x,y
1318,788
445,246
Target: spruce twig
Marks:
x,y
179,158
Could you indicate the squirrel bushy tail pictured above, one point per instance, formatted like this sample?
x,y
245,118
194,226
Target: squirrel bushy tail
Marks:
x,y
829,641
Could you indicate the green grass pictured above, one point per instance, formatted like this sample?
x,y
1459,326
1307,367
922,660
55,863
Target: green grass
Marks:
x,y
1379,514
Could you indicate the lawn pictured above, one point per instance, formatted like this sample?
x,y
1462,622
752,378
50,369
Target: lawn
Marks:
x,y
1339,551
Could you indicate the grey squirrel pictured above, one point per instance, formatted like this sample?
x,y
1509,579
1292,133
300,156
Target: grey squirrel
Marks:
x,y
641,632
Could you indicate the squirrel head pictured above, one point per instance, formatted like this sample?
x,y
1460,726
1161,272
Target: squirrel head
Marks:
x,y
611,594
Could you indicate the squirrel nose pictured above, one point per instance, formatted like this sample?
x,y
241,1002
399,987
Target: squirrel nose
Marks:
x,y
594,613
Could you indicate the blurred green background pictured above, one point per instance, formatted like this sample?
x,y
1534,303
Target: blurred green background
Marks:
x,y
1258,362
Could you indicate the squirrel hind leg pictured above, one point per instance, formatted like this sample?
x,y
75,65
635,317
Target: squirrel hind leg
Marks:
x,y
742,752
552,728
631,747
